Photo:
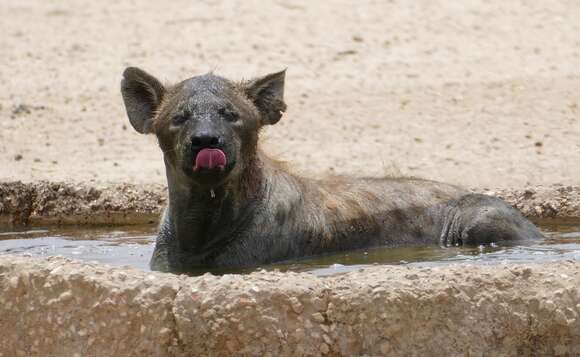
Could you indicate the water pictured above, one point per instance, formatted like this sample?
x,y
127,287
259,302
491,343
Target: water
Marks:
x,y
133,246
129,245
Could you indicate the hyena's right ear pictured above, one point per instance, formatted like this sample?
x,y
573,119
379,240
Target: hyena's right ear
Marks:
x,y
142,94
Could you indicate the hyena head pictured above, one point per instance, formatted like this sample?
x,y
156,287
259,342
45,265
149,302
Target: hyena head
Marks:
x,y
207,126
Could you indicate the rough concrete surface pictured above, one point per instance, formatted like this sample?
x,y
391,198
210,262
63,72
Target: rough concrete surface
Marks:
x,y
42,202
58,307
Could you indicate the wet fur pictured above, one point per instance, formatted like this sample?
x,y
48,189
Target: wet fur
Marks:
x,y
263,213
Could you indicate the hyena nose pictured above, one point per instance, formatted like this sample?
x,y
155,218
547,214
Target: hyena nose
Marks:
x,y
205,140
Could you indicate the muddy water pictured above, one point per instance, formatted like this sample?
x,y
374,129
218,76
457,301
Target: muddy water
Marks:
x,y
129,245
132,246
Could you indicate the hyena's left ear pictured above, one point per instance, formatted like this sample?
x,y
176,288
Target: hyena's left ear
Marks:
x,y
142,94
267,93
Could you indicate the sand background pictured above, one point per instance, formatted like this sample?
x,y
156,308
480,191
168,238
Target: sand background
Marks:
x,y
478,93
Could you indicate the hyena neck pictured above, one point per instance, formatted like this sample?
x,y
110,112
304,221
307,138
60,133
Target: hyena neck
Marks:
x,y
204,217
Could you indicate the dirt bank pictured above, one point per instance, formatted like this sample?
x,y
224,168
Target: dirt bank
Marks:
x,y
64,308
45,203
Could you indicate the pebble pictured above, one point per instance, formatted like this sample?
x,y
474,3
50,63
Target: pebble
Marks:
x,y
317,316
385,348
296,305
379,290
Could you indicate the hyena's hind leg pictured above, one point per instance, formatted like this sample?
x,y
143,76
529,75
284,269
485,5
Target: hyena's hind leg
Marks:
x,y
478,219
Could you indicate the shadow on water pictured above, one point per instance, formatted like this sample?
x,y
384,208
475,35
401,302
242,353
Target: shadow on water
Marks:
x,y
133,246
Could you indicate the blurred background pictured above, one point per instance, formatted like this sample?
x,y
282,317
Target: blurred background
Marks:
x,y
482,93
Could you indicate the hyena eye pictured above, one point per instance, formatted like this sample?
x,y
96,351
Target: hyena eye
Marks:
x,y
178,119
229,114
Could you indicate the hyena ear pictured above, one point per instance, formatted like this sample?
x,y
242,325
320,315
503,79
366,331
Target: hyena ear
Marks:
x,y
142,94
267,93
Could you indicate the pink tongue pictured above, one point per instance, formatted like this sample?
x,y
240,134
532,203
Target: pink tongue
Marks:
x,y
210,159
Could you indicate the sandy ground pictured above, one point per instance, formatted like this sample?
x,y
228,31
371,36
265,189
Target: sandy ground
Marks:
x,y
478,93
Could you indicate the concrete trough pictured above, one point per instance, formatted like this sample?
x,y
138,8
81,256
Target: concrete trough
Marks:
x,y
58,307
